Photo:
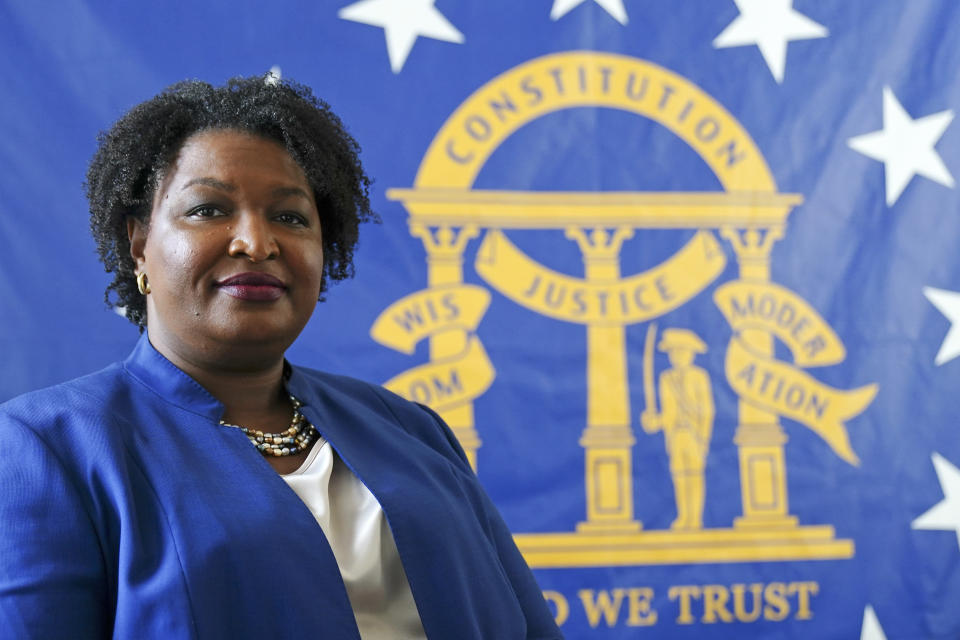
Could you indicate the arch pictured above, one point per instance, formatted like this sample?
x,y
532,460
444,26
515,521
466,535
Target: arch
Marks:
x,y
591,79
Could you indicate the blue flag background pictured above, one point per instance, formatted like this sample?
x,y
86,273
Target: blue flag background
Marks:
x,y
737,218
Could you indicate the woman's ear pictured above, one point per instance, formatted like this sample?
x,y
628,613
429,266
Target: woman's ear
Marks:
x,y
137,235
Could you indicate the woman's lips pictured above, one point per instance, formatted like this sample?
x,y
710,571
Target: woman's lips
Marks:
x,y
253,286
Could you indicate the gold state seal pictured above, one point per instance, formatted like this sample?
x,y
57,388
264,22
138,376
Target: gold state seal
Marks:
x,y
446,213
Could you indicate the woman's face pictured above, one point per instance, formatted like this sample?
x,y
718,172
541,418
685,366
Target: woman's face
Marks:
x,y
233,252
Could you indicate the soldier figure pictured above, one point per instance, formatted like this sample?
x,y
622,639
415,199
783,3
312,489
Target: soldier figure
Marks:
x,y
686,418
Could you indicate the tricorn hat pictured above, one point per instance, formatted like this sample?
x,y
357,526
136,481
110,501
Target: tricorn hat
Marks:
x,y
681,339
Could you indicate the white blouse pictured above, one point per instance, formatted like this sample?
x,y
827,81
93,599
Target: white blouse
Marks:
x,y
355,527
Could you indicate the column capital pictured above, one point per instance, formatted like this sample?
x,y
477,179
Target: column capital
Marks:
x,y
599,244
752,243
444,241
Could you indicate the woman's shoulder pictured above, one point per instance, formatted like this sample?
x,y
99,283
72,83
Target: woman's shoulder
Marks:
x,y
77,400
356,396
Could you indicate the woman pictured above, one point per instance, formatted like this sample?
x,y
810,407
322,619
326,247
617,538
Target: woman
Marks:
x,y
153,499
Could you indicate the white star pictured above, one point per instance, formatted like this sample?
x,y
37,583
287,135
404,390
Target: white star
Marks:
x,y
871,629
945,515
905,146
948,303
613,7
769,24
403,21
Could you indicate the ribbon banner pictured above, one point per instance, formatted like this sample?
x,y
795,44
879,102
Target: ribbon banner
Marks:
x,y
428,312
447,383
780,387
786,390
630,300
780,312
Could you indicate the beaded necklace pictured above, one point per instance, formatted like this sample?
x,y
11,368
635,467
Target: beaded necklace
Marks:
x,y
298,436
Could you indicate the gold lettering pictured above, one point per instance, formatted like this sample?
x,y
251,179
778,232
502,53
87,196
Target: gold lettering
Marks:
x,y
715,597
706,604
739,607
777,607
638,606
686,593
560,604
804,590
597,603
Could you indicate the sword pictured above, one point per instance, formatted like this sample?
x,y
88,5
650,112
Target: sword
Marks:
x,y
650,396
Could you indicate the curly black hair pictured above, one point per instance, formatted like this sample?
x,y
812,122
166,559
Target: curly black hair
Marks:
x,y
133,155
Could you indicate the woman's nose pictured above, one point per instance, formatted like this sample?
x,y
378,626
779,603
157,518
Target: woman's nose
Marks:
x,y
253,239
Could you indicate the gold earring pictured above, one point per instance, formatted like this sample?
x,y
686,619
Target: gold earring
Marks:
x,y
142,285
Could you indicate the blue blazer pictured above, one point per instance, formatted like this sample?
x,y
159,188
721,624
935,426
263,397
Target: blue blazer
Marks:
x,y
127,510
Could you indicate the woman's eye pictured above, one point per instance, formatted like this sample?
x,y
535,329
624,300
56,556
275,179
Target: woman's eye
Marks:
x,y
289,217
205,211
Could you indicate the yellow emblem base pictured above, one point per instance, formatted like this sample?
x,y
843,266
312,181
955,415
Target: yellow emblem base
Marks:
x,y
582,549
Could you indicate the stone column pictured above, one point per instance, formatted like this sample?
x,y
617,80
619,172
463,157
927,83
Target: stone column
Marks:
x,y
444,246
759,436
608,438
